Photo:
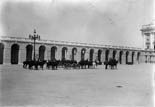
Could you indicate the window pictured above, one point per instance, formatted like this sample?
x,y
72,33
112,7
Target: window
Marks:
x,y
147,43
147,39
148,47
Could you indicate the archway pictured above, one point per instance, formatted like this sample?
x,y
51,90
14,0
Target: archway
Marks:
x,y
1,52
64,52
133,53
53,52
99,55
41,52
127,53
120,57
106,55
91,54
138,57
74,51
114,54
83,51
14,53
29,49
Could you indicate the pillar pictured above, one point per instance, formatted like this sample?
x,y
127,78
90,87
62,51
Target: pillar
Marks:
x,y
48,52
124,57
22,53
7,53
78,54
103,55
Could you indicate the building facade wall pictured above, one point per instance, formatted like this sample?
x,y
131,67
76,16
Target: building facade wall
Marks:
x,y
145,56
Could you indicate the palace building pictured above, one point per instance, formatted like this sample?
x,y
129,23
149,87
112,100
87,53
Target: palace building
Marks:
x,y
148,33
15,50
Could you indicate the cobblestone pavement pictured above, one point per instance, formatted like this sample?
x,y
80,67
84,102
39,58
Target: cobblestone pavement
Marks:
x,y
129,85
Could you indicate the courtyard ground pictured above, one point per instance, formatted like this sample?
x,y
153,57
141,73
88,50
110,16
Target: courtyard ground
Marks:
x,y
129,85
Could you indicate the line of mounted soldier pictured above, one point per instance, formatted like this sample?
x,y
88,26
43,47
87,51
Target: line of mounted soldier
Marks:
x,y
55,64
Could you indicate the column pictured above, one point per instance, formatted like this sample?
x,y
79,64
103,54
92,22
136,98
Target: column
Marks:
x,y
124,57
78,54
87,54
22,53
48,53
110,54
103,55
95,54
59,53
69,53
7,53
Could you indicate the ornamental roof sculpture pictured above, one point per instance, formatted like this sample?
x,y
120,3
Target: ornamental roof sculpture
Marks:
x,y
149,27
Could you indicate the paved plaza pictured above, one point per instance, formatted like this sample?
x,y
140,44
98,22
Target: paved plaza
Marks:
x,y
129,85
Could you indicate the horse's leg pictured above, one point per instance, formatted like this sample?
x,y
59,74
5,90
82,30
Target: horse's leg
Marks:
x,y
36,67
47,67
29,66
42,66
52,67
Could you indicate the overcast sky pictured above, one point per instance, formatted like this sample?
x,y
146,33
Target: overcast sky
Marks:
x,y
109,22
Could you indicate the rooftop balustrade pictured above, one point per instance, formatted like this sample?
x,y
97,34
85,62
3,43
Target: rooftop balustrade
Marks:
x,y
148,27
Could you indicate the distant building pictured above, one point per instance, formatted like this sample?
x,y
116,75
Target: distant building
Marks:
x,y
148,33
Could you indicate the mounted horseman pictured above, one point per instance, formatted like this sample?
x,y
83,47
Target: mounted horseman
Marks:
x,y
112,63
52,64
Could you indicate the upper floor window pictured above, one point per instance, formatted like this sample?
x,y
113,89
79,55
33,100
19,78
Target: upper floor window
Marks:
x,y
148,39
148,47
147,43
147,34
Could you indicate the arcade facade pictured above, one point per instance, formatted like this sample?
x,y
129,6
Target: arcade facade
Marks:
x,y
15,50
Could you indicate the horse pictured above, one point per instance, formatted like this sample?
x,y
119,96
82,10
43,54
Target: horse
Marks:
x,y
34,63
41,63
83,63
52,63
25,64
112,63
106,63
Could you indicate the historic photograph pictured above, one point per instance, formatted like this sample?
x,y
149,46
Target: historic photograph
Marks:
x,y
77,53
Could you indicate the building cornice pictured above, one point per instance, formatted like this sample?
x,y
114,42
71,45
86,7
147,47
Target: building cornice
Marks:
x,y
27,40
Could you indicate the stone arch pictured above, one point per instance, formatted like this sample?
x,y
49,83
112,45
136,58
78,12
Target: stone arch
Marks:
x,y
107,55
114,54
64,52
29,49
14,54
127,54
83,51
74,52
42,52
53,53
1,52
150,57
138,56
91,54
99,55
120,57
132,56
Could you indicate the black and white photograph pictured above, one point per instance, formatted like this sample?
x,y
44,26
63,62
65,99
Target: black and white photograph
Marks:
x,y
77,53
